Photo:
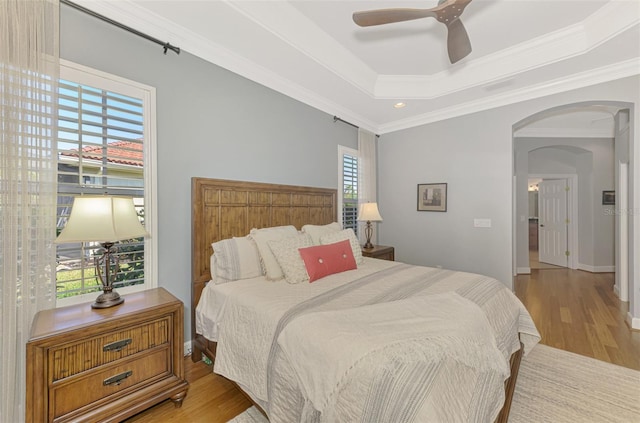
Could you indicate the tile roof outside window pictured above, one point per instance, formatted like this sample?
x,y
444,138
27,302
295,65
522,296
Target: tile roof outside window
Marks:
x,y
120,152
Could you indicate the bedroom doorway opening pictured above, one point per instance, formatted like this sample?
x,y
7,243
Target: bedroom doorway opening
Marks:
x,y
600,251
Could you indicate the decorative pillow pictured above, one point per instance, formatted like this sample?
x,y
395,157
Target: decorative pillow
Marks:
x,y
234,259
262,237
324,260
342,235
212,265
316,231
288,257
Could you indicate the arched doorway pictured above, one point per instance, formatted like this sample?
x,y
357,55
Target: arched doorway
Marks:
x,y
564,126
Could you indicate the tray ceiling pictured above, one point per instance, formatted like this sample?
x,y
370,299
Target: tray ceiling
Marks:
x,y
312,51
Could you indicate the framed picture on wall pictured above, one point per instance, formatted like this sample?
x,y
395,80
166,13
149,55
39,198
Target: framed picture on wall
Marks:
x,y
608,197
432,197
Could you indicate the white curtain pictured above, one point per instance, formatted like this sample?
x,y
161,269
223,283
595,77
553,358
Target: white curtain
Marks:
x,y
367,175
29,68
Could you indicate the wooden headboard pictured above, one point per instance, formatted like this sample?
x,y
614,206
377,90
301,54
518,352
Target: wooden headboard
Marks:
x,y
223,209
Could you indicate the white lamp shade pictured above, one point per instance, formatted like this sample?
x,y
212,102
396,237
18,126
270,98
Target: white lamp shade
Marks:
x,y
369,212
102,219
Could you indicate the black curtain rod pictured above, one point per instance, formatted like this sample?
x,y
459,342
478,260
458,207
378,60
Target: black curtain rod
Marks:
x,y
336,119
165,46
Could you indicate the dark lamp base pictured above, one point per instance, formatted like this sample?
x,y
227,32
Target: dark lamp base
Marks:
x,y
108,299
368,231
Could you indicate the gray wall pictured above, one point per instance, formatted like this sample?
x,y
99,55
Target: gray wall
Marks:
x,y
474,155
210,123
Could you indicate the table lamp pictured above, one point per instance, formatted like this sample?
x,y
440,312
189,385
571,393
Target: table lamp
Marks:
x,y
369,213
103,219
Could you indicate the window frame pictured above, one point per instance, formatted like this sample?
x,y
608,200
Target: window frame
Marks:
x,y
342,151
85,75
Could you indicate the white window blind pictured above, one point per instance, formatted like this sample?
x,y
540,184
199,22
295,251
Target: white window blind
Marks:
x,y
101,144
349,186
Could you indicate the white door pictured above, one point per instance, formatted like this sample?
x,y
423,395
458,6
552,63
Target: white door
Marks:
x,y
552,222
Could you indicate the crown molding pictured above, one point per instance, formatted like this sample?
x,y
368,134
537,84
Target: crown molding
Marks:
x,y
559,85
532,132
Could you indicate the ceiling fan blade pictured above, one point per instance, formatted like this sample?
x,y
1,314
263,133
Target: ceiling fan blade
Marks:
x,y
385,16
458,44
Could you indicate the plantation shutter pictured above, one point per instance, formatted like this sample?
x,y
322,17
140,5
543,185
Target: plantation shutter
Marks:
x,y
350,192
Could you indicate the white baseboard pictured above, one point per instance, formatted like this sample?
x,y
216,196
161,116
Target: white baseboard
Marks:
x,y
633,322
523,270
596,269
616,291
187,348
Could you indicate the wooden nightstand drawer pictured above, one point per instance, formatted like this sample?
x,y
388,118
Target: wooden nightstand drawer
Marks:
x,y
73,393
72,359
381,252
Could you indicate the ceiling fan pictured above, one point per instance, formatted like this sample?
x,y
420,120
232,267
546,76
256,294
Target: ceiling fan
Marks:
x,y
447,11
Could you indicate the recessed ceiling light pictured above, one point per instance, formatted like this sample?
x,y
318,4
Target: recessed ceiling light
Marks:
x,y
399,105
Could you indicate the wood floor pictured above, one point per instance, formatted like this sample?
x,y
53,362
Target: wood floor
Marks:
x,y
211,399
574,310
577,311
534,263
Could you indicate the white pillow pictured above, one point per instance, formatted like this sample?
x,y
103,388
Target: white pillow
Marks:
x,y
288,257
234,259
262,237
317,231
212,265
341,236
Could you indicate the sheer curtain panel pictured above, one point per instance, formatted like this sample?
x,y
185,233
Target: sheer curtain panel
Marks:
x,y
367,169
29,68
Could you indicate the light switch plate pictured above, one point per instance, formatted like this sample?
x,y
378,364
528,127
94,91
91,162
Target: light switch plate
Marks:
x,y
482,223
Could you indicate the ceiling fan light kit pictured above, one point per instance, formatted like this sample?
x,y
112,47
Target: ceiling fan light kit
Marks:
x,y
447,11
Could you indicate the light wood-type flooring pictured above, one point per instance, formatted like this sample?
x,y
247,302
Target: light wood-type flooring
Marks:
x,y
577,311
573,310
534,263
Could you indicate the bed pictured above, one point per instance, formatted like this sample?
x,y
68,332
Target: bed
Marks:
x,y
390,341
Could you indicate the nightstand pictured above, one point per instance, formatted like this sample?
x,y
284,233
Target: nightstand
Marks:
x,y
87,365
380,252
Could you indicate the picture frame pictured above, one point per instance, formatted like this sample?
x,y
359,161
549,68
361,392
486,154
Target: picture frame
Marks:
x,y
608,198
432,197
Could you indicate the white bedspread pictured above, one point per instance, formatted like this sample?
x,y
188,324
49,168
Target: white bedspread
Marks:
x,y
251,313
357,344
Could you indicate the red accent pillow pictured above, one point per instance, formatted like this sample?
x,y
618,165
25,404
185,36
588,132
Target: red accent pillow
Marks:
x,y
324,260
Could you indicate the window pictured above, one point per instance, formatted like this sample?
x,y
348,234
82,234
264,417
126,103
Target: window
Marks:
x,y
105,145
348,200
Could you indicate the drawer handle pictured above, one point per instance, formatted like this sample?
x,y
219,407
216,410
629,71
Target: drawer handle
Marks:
x,y
117,346
117,379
